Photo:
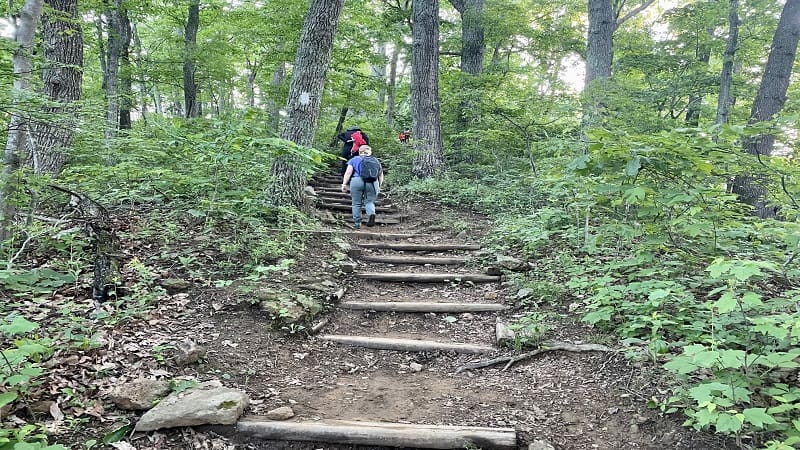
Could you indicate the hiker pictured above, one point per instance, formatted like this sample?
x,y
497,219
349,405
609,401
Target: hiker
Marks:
x,y
347,149
364,176
406,135
403,137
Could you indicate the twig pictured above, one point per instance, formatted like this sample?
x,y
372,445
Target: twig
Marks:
x,y
546,347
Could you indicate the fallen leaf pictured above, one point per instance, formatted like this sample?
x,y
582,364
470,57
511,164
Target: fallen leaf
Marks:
x,y
55,411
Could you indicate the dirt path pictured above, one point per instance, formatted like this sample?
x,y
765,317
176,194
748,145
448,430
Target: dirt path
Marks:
x,y
571,400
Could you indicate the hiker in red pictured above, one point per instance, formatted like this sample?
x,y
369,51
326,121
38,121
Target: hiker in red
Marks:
x,y
347,138
358,141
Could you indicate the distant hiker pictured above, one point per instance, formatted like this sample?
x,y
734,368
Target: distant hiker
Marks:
x,y
364,176
403,137
406,135
347,148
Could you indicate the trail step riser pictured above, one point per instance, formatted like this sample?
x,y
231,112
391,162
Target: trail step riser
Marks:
x,y
419,247
412,277
338,207
407,345
420,260
381,434
419,307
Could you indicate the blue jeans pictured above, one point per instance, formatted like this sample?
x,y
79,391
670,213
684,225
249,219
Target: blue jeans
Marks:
x,y
363,195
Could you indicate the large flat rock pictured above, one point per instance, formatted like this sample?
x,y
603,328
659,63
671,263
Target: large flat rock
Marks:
x,y
208,403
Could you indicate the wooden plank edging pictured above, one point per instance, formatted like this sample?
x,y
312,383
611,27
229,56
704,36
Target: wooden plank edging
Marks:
x,y
423,307
407,345
380,434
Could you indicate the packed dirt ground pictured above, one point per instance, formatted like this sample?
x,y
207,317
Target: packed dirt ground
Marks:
x,y
591,400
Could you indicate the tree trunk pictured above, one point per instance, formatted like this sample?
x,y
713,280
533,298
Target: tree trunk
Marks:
x,y
24,33
472,53
771,97
192,107
392,86
599,56
703,53
340,124
429,154
116,42
305,97
62,76
725,99
272,105
599,42
125,72
379,72
252,71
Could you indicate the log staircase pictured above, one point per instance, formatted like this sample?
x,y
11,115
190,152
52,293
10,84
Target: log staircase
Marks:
x,y
411,261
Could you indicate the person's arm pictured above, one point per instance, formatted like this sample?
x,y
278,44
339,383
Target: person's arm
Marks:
x,y
346,179
343,136
380,177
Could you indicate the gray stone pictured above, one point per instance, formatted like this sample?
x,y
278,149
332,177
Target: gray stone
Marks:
x,y
524,293
347,267
540,445
188,352
208,403
510,263
139,394
282,413
175,285
503,334
415,367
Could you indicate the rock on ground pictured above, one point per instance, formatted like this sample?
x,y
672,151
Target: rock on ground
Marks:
x,y
139,394
282,413
208,403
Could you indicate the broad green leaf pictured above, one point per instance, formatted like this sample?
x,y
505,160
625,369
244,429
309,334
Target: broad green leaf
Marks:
x,y
117,435
633,166
727,423
732,359
706,359
704,392
746,270
658,294
758,417
726,303
681,365
7,397
19,325
634,195
751,299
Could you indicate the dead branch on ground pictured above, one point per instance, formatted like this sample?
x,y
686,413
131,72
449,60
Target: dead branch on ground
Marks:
x,y
545,347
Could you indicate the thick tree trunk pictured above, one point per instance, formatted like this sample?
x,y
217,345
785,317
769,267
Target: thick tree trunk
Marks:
x,y
725,99
472,54
771,97
339,125
116,43
379,72
24,34
428,147
599,56
192,107
392,86
305,97
599,42
125,72
272,106
125,81
62,76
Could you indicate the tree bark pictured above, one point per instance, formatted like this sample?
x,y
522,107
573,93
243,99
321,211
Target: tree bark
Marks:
x,y
472,54
272,106
116,42
24,34
428,146
305,97
752,189
192,106
125,82
62,76
703,53
252,72
392,86
599,42
725,99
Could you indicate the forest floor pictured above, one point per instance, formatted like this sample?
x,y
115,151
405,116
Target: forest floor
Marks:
x,y
590,400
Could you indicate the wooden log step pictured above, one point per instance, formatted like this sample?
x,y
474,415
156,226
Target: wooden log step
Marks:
x,y
396,259
431,277
346,200
373,235
383,434
406,345
423,307
339,207
419,247
380,219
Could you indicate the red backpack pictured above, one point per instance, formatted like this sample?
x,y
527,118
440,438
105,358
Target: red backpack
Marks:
x,y
358,141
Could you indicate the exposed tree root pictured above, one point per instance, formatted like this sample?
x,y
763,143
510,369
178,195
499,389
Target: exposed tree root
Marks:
x,y
545,347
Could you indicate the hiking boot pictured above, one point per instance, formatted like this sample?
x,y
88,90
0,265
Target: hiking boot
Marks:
x,y
371,221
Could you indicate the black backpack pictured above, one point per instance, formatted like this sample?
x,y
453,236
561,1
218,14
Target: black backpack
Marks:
x,y
370,169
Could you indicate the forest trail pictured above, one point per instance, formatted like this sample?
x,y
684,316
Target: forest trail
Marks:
x,y
382,370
